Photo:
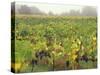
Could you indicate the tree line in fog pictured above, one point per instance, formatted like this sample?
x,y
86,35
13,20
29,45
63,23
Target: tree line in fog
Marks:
x,y
24,9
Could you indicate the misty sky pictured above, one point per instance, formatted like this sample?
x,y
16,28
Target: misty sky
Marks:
x,y
55,8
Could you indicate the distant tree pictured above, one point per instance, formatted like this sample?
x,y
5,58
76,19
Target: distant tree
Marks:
x,y
71,13
36,11
24,9
89,11
50,13
74,13
64,14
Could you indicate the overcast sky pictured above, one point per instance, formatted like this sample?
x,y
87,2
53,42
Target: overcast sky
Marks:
x,y
55,8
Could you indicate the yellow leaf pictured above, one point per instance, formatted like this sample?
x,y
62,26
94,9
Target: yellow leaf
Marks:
x,y
79,42
74,57
94,38
16,66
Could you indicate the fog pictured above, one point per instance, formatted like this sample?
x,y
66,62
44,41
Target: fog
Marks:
x,y
53,9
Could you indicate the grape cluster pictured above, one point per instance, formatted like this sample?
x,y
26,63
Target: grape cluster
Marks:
x,y
84,58
42,54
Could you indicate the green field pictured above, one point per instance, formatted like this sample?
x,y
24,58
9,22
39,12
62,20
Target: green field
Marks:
x,y
52,43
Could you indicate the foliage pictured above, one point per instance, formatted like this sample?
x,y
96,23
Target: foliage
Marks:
x,y
72,39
